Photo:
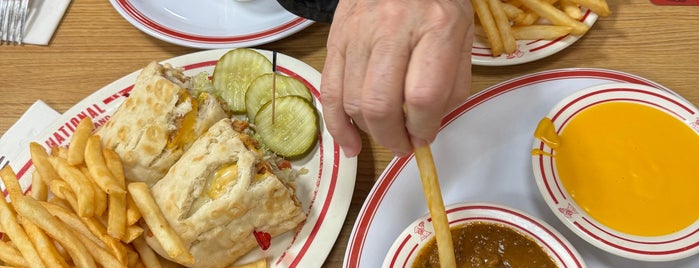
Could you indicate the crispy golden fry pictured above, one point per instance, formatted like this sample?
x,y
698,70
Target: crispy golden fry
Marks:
x,y
32,210
513,13
40,190
571,8
100,196
503,25
148,257
598,6
16,233
98,168
536,32
73,221
132,232
555,15
133,260
61,152
11,256
9,179
262,263
117,221
530,18
100,255
76,149
40,159
81,186
132,212
158,225
42,243
489,26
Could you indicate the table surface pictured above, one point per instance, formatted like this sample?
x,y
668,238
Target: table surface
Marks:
x,y
94,46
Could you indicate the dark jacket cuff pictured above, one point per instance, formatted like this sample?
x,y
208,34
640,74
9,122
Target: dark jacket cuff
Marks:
x,y
316,10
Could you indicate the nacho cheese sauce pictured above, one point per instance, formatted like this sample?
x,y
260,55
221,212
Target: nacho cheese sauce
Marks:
x,y
631,167
483,244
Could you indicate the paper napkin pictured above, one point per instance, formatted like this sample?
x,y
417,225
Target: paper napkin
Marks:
x,y
43,16
16,140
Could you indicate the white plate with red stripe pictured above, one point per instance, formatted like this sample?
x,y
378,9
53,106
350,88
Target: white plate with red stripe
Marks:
x,y
407,246
211,24
527,50
483,154
676,245
325,191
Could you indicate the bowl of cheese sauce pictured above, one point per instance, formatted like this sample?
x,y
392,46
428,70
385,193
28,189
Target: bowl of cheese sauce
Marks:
x,y
619,165
485,235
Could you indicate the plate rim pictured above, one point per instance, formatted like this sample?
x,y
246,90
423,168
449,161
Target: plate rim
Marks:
x,y
341,170
167,34
548,48
358,235
612,241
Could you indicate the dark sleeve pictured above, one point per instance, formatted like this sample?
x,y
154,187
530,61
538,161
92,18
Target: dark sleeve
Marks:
x,y
316,10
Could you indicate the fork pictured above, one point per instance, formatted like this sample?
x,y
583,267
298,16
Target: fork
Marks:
x,y
13,16
3,161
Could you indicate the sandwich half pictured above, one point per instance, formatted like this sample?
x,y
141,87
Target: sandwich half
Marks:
x,y
220,193
158,122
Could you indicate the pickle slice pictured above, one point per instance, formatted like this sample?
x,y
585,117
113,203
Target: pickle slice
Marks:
x,y
260,91
295,128
233,73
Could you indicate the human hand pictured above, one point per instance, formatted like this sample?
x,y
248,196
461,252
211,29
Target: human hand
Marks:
x,y
394,68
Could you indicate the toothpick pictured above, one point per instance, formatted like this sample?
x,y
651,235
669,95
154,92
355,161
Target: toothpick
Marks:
x,y
274,83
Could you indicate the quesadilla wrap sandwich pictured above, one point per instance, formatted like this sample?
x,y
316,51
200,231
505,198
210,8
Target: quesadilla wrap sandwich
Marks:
x,y
158,122
222,191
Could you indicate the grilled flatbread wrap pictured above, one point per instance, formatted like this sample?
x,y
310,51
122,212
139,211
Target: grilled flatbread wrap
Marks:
x,y
158,122
217,194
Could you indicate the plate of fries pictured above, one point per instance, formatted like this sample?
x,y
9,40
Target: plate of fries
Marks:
x,y
510,32
68,203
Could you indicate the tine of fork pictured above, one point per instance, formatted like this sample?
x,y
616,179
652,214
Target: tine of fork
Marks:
x,y
3,8
23,20
3,163
15,21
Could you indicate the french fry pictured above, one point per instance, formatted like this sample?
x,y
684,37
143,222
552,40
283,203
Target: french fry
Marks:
x,y
98,168
556,16
9,179
81,186
100,255
73,221
132,212
76,149
11,256
489,26
16,233
133,260
503,25
530,18
148,257
598,6
40,159
42,243
513,13
40,189
132,232
32,210
571,8
100,195
116,223
536,32
158,225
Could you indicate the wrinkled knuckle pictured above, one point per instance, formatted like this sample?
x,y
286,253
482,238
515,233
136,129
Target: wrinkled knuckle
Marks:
x,y
375,110
424,101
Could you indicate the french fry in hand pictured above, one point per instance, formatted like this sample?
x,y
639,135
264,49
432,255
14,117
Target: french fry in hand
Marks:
x,y
555,15
76,148
158,225
536,32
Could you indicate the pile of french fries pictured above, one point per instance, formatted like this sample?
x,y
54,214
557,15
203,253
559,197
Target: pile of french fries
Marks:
x,y
505,21
81,212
